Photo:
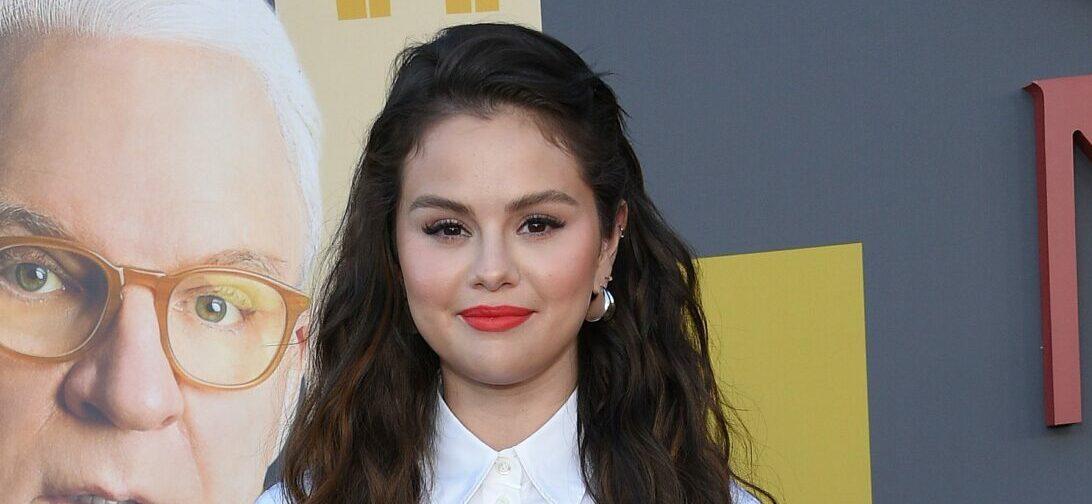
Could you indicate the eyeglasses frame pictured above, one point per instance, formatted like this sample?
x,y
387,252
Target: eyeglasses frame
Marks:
x,y
162,284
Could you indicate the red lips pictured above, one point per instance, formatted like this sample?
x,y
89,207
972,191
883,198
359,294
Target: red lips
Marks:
x,y
495,318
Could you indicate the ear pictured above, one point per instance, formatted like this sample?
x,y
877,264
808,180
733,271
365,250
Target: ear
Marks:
x,y
295,362
609,248
299,349
302,331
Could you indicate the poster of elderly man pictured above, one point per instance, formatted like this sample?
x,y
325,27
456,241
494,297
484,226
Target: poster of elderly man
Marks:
x,y
159,205
161,214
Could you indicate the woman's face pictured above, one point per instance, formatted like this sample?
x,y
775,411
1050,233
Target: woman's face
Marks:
x,y
500,249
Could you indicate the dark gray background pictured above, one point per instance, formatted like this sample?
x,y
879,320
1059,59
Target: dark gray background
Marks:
x,y
903,125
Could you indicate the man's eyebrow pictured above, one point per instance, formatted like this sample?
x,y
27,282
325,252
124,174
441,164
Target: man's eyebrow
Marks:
x,y
248,260
39,224
35,223
530,200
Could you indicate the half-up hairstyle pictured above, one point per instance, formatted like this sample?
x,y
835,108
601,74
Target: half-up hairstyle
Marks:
x,y
653,425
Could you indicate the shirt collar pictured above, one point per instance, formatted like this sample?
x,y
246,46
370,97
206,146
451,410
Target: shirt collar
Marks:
x,y
550,456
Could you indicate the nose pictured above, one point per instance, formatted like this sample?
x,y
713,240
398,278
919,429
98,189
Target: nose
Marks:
x,y
494,267
126,379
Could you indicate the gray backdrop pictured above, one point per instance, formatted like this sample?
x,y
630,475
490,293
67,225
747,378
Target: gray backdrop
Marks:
x,y
767,125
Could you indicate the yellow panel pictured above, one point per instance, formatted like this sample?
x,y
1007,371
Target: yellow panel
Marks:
x,y
351,9
379,8
788,335
487,5
458,6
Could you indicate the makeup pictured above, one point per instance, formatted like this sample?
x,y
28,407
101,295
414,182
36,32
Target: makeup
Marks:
x,y
495,318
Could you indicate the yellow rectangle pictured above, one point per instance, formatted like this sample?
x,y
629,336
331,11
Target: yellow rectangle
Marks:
x,y
458,6
487,5
787,330
379,8
351,9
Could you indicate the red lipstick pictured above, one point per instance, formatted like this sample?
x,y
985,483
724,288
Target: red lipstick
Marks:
x,y
495,318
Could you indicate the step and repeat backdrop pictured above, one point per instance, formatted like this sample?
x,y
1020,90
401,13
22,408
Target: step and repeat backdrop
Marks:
x,y
888,201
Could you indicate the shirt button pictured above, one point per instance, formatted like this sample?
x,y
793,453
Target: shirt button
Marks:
x,y
502,500
503,467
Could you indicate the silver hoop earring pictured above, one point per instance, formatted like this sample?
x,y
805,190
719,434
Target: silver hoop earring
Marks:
x,y
608,306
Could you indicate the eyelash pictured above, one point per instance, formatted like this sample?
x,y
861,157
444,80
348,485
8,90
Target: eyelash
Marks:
x,y
552,222
10,258
440,225
435,228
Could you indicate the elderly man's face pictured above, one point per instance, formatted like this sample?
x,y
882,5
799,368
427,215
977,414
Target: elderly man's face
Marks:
x,y
158,156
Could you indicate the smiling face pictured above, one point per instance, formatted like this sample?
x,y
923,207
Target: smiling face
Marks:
x,y
500,249
159,156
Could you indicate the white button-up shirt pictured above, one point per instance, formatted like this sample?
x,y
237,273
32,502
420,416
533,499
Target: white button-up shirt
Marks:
x,y
542,469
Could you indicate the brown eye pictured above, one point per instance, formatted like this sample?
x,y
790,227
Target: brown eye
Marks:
x,y
446,229
540,224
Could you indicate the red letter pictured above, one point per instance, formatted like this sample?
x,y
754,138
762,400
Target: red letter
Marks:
x,y
1063,110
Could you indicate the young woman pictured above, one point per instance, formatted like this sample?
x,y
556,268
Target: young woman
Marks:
x,y
508,318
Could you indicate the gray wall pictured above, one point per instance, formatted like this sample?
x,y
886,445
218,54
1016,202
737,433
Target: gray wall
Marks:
x,y
767,125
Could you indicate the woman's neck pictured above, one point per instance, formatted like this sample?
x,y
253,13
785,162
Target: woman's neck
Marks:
x,y
503,416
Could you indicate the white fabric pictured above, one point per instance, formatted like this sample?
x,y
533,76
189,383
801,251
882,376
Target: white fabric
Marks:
x,y
543,469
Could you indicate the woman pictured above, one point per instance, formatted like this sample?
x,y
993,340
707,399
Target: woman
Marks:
x,y
507,318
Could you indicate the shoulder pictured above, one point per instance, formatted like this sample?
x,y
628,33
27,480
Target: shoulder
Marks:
x,y
275,495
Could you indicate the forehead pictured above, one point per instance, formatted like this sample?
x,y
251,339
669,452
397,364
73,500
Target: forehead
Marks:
x,y
494,159
153,152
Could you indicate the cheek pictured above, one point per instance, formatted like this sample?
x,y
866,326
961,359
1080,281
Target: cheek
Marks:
x,y
432,275
564,271
34,388
251,418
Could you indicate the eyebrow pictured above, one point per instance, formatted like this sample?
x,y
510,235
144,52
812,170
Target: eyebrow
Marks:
x,y
530,200
35,223
433,201
39,224
247,260
521,203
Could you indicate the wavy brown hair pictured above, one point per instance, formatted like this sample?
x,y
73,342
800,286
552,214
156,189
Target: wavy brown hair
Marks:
x,y
653,425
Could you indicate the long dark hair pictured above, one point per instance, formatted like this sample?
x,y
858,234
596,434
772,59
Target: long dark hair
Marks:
x,y
652,421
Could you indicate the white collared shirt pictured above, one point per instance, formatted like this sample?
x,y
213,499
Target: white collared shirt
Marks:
x,y
542,469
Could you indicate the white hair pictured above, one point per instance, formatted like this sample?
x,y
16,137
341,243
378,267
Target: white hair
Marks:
x,y
245,28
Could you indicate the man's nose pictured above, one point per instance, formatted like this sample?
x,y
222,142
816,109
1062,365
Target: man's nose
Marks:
x,y
125,379
493,267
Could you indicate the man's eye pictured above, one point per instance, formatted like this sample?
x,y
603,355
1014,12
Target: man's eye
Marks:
x,y
32,278
216,309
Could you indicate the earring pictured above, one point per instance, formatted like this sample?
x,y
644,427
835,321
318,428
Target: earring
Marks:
x,y
608,306
608,302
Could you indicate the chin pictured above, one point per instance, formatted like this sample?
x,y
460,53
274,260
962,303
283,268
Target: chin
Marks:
x,y
500,374
503,369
